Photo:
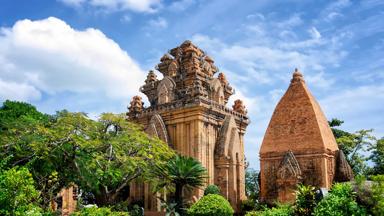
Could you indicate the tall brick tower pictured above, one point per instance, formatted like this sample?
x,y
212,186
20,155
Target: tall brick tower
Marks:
x,y
299,147
188,111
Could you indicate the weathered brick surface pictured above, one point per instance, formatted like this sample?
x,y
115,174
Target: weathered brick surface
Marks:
x,y
188,111
298,125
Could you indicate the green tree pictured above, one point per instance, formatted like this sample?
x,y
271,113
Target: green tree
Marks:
x,y
19,129
353,144
378,195
102,157
377,156
181,173
18,195
252,183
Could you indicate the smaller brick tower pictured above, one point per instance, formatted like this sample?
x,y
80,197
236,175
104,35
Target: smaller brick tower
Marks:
x,y
299,147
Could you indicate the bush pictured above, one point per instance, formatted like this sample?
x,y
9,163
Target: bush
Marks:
x,y
18,195
339,202
94,211
305,200
211,204
280,210
212,189
378,195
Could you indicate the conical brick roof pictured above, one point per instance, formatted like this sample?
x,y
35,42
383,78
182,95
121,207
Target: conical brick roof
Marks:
x,y
298,124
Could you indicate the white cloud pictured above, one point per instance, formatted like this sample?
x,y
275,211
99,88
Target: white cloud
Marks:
x,y
315,34
125,19
359,107
18,91
181,5
159,23
48,56
292,21
116,5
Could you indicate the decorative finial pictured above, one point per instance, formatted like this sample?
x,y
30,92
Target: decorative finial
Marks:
x,y
151,77
222,79
297,76
239,107
136,107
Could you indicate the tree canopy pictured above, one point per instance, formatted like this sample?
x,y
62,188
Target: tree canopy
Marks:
x,y
101,156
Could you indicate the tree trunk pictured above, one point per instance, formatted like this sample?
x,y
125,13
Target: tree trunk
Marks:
x,y
179,197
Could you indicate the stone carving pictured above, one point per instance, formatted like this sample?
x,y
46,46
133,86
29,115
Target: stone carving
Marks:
x,y
222,79
191,71
136,107
288,176
229,160
344,172
165,90
156,128
289,168
187,110
228,90
217,91
239,107
151,78
299,126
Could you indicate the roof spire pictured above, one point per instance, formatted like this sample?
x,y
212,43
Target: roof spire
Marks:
x,y
297,76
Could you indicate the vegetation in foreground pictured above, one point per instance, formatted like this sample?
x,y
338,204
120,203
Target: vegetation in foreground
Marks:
x,y
40,154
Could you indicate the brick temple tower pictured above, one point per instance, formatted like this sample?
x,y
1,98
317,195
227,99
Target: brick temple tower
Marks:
x,y
299,147
188,111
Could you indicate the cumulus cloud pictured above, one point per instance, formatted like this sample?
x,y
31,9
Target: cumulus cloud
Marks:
x,y
50,57
18,91
181,5
160,22
116,5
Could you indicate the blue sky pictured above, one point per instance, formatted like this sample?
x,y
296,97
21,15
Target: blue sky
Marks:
x,y
93,55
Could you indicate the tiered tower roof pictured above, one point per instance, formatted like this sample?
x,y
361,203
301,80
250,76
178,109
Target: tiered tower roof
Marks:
x,y
298,124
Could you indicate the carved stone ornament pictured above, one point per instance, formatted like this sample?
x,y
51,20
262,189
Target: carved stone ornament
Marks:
x,y
135,107
289,168
239,107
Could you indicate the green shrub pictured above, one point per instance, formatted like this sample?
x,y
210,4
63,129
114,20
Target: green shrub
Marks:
x,y
340,201
94,211
305,200
212,189
18,195
211,205
280,210
378,195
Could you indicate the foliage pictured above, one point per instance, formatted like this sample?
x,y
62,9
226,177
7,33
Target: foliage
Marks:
x,y
170,209
210,205
339,202
251,205
377,157
252,183
13,110
180,173
352,145
18,195
94,211
212,189
280,210
305,200
378,195
102,157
